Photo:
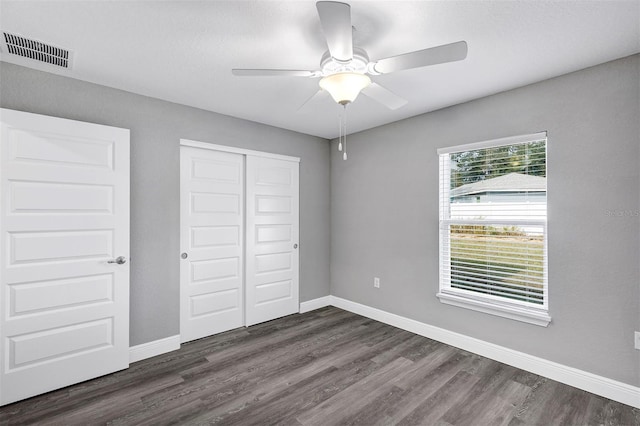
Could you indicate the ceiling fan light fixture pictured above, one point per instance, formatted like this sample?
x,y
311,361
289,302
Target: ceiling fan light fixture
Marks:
x,y
344,87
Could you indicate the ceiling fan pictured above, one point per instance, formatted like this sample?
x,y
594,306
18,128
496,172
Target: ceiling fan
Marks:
x,y
345,68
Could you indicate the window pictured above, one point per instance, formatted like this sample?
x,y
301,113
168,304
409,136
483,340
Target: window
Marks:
x,y
493,227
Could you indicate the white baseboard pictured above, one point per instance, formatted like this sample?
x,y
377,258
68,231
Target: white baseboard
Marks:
x,y
312,305
608,388
151,349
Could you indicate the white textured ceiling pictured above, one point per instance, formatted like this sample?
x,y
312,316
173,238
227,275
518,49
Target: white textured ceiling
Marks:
x,y
183,51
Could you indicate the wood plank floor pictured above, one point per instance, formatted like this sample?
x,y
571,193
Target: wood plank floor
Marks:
x,y
326,367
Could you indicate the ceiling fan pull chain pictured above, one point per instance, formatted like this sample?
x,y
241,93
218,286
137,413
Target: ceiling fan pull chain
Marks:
x,y
344,132
340,131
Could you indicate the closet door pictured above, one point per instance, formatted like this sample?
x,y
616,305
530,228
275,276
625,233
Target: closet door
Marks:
x,y
211,233
64,253
272,239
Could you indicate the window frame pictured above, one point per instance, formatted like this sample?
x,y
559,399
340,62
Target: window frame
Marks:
x,y
491,304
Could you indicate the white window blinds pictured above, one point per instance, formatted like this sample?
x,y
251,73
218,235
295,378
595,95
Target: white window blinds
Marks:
x,y
493,225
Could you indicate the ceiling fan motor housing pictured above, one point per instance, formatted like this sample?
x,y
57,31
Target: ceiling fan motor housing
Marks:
x,y
359,63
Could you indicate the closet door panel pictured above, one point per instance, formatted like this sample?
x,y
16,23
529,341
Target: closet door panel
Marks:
x,y
272,273
211,220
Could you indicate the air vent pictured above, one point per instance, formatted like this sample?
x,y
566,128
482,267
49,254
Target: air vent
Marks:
x,y
36,50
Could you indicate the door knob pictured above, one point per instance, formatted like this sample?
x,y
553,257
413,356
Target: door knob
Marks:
x,y
184,255
119,260
295,246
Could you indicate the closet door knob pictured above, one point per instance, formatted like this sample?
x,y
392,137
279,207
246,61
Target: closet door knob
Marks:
x,y
184,255
295,246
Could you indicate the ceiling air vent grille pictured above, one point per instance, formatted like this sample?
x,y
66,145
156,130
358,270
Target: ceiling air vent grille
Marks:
x,y
33,49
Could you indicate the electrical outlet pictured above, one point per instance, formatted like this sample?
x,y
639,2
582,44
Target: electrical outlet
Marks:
x,y
637,339
376,282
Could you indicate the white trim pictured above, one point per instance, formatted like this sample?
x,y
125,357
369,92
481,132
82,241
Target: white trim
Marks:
x,y
493,143
518,313
154,348
233,149
608,388
499,303
312,305
522,222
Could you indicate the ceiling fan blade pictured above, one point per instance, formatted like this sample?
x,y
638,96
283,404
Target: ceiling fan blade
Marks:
x,y
273,73
384,96
421,58
320,94
335,19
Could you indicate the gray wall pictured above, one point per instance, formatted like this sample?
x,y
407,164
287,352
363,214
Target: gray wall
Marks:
x,y
156,128
384,213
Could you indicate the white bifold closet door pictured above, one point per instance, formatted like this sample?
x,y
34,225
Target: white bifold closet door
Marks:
x,y
239,240
64,253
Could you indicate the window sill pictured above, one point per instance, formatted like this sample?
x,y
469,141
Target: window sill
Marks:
x,y
517,313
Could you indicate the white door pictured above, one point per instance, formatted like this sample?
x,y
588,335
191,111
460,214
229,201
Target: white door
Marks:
x,y
272,239
211,233
64,216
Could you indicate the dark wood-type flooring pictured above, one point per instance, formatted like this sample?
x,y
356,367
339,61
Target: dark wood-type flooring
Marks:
x,y
325,367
